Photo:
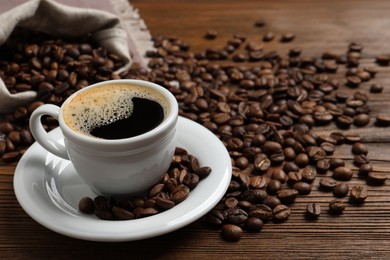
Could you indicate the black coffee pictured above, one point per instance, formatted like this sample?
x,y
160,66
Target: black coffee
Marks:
x,y
115,111
147,114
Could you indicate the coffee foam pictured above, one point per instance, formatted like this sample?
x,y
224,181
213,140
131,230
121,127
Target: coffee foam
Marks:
x,y
104,105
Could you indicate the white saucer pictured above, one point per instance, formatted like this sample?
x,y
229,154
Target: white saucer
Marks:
x,y
49,190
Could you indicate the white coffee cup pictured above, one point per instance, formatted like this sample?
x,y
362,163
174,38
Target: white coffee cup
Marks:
x,y
112,167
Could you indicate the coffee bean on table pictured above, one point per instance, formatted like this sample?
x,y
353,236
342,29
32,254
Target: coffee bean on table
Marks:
x,y
211,34
268,36
336,207
254,224
335,163
327,183
309,174
341,190
383,119
287,196
360,159
361,120
302,187
383,60
313,210
281,213
376,178
322,166
287,37
342,173
359,148
231,232
358,194
376,88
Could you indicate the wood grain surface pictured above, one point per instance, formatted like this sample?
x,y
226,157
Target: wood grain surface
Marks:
x,y
361,232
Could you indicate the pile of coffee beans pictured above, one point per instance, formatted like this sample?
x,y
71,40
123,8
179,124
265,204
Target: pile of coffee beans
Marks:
x,y
55,68
183,175
264,106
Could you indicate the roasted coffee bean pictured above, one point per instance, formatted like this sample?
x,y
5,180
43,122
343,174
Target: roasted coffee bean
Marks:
x,y
302,160
261,211
279,175
203,172
309,174
336,207
215,217
258,182
383,119
261,162
231,202
287,37
342,173
10,157
376,178
290,167
211,34
313,210
359,148
361,120
86,205
376,88
339,137
322,166
353,138
328,147
104,214
191,180
303,188
360,159
336,162
383,60
146,212
254,224
271,147
231,232
268,36
236,216
358,194
341,190
327,183
271,201
294,177
287,196
281,213
273,187
364,169
164,203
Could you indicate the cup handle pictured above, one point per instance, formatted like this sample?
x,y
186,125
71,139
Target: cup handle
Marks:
x,y
40,134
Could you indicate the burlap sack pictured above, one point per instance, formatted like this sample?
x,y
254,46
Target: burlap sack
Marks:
x,y
61,20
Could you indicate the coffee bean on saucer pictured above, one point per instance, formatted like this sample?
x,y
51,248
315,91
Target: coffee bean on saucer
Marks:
x,y
86,205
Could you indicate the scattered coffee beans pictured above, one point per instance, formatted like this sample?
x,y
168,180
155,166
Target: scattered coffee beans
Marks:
x,y
262,105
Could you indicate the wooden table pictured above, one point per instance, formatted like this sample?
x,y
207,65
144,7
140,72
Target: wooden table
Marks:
x,y
361,232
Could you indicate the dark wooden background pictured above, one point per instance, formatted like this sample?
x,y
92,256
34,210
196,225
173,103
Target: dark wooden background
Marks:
x,y
361,232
